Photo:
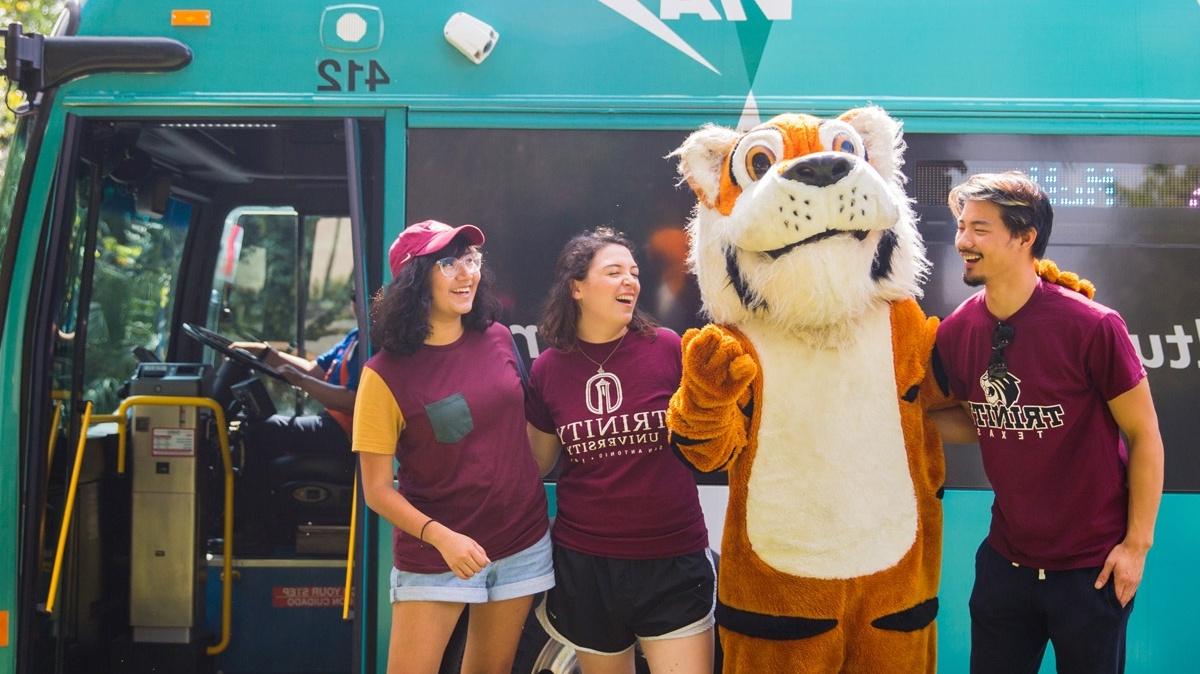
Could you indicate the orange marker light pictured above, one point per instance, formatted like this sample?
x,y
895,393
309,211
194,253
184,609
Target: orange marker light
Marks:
x,y
3,629
191,17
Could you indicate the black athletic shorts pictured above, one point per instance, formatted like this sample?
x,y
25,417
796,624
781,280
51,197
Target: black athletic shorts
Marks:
x,y
604,605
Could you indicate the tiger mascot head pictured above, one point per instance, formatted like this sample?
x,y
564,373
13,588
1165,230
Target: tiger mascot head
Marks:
x,y
802,222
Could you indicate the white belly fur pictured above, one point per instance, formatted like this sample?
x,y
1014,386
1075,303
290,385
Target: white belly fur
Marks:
x,y
830,494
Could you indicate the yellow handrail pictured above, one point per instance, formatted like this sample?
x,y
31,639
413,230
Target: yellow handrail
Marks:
x,y
227,464
68,508
350,550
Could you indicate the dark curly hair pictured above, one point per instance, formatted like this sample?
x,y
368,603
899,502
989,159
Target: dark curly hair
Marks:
x,y
400,310
560,314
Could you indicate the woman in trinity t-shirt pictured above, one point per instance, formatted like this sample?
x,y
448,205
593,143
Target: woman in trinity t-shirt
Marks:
x,y
445,398
631,558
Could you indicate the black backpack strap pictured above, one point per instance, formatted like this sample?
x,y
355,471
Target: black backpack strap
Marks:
x,y
521,370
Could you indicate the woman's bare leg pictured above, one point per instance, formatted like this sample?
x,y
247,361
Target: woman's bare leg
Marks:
x,y
686,655
493,631
420,631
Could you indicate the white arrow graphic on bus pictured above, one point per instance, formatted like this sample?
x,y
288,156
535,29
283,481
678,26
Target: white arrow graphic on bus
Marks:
x,y
637,13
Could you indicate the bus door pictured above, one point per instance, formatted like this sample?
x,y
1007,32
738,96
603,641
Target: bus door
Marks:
x,y
243,229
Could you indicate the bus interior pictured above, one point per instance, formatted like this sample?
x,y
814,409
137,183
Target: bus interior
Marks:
x,y
239,231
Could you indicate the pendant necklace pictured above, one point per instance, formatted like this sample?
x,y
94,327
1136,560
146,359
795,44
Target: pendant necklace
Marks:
x,y
600,365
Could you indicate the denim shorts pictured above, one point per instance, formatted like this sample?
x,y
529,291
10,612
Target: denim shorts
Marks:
x,y
520,574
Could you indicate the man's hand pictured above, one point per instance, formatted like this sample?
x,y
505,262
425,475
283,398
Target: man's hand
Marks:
x,y
293,376
463,555
1124,564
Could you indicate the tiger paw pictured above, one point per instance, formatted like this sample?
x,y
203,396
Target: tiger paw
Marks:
x,y
717,370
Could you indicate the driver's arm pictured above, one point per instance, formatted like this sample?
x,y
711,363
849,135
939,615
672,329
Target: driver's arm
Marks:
x,y
330,395
277,359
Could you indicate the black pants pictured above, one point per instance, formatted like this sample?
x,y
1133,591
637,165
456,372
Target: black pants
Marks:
x,y
1014,612
280,434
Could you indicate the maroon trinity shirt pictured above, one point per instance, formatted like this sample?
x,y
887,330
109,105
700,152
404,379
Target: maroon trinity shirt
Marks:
x,y
1050,445
622,493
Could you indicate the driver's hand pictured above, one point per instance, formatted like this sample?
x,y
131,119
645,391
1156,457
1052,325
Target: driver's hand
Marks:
x,y
259,349
293,375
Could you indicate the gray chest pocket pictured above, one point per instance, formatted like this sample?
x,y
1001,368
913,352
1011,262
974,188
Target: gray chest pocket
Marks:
x,y
450,418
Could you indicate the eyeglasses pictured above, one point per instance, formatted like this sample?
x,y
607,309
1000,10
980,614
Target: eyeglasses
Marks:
x,y
1001,338
449,266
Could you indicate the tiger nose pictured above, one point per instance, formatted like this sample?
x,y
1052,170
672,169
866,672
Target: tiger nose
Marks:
x,y
819,171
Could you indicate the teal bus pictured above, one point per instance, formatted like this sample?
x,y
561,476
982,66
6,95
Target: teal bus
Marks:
x,y
183,176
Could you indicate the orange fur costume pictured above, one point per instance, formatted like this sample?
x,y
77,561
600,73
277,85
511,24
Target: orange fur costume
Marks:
x,y
811,390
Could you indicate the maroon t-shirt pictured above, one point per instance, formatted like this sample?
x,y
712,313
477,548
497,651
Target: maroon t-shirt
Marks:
x,y
622,492
1051,447
464,454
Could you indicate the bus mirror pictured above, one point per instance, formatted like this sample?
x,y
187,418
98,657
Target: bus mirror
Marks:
x,y
23,57
474,38
37,63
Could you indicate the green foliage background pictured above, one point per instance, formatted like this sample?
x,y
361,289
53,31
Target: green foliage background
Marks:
x,y
35,16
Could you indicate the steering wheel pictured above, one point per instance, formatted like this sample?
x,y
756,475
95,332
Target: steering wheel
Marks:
x,y
222,345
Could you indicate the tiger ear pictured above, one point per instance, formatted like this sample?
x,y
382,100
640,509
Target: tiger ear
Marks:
x,y
701,158
883,137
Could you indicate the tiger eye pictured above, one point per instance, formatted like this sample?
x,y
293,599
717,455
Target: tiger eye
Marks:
x,y
759,160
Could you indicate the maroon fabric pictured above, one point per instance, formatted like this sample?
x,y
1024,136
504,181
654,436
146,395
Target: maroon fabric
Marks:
x,y
622,492
485,485
1051,448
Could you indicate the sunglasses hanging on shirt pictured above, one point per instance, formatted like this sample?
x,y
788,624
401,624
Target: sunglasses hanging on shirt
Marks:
x,y
1001,338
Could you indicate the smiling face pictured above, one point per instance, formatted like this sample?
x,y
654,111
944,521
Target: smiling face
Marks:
x,y
989,250
451,297
608,294
802,222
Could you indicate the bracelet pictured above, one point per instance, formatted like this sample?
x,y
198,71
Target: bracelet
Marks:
x,y
421,536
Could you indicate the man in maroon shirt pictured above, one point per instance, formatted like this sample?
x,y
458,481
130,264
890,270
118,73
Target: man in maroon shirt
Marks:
x,y
1050,380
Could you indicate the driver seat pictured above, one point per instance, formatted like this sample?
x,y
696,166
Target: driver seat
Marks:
x,y
309,489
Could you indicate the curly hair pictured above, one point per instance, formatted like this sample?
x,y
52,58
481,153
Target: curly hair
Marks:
x,y
400,310
560,314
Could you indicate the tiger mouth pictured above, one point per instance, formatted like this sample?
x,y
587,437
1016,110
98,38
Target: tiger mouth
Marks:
x,y
881,265
775,254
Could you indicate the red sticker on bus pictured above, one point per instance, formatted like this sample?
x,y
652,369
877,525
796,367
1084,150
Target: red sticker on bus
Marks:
x,y
316,596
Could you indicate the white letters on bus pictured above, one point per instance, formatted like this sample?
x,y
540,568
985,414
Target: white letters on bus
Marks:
x,y
773,10
1156,357
529,332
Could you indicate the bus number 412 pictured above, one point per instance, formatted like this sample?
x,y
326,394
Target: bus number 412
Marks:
x,y
330,70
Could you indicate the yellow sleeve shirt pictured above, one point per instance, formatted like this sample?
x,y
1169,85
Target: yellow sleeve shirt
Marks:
x,y
377,418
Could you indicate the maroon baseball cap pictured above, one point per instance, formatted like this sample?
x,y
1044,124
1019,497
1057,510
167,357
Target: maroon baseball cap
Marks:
x,y
425,238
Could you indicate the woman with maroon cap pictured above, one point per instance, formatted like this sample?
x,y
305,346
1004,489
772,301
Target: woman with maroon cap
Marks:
x,y
631,558
444,397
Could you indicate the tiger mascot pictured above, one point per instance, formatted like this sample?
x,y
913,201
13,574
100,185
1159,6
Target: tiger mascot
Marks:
x,y
811,389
